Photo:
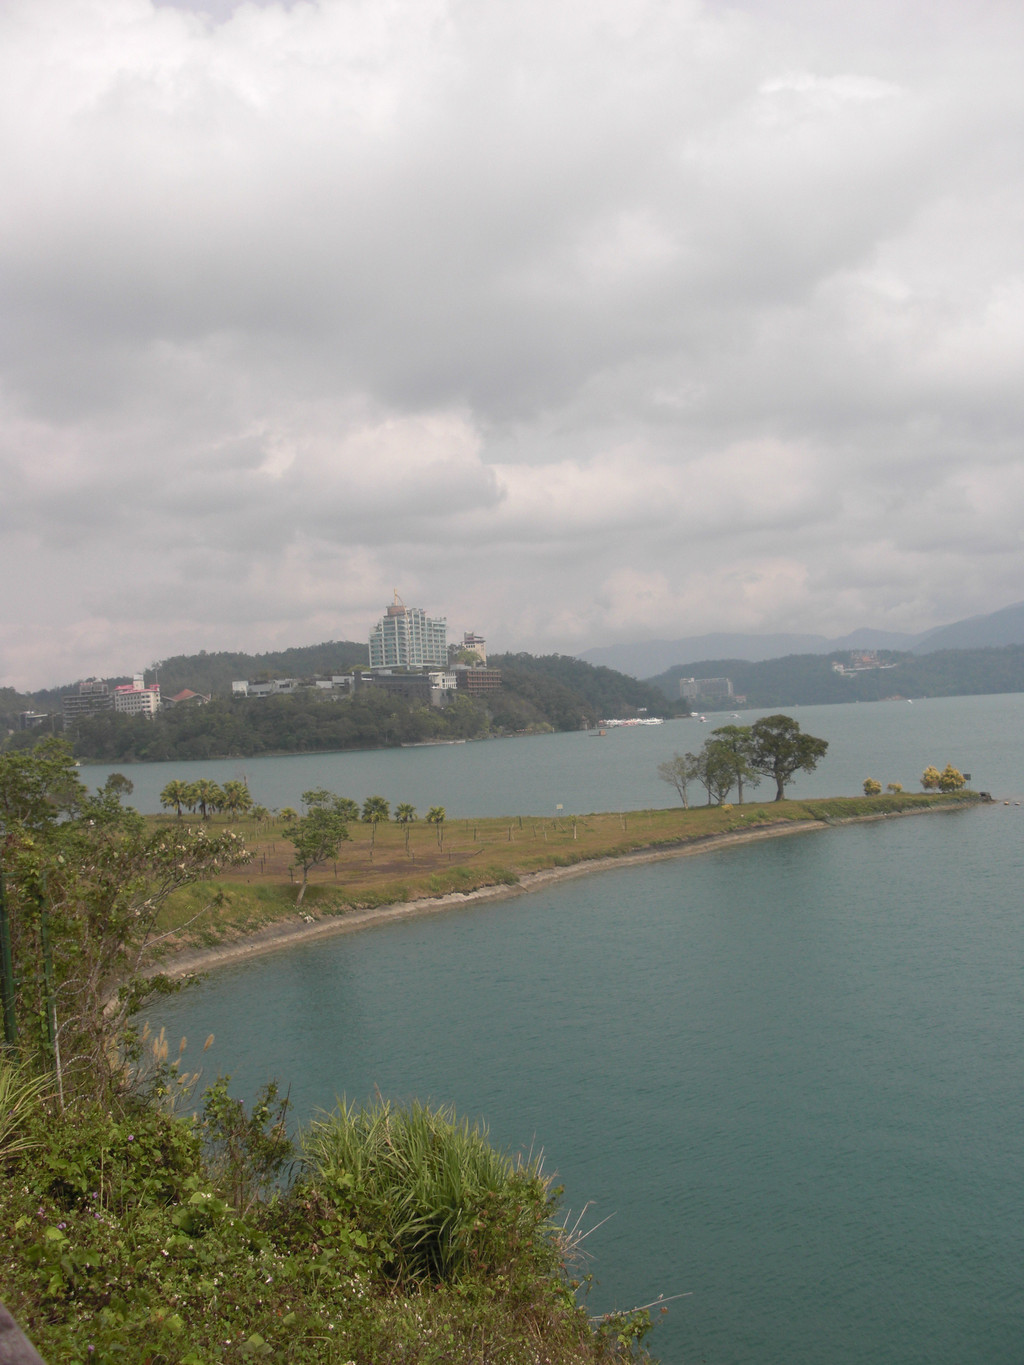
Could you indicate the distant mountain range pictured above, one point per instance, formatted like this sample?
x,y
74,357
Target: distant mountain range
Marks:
x,y
648,658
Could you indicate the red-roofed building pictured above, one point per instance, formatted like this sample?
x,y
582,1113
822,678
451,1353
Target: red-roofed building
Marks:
x,y
186,697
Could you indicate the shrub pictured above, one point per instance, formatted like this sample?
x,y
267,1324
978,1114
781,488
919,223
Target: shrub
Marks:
x,y
871,787
951,779
246,1152
442,1201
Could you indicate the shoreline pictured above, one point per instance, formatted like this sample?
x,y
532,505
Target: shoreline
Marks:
x,y
290,933
304,929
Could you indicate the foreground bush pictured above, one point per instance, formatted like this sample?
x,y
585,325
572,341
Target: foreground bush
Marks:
x,y
405,1238
438,1199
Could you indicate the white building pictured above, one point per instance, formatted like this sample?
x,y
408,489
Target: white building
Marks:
x,y
446,681
136,699
406,637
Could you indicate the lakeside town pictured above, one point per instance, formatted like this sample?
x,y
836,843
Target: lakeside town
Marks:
x,y
409,652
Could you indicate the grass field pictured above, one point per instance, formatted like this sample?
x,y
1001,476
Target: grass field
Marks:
x,y
378,868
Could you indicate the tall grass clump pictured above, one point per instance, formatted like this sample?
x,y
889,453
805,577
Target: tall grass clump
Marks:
x,y
440,1201
20,1092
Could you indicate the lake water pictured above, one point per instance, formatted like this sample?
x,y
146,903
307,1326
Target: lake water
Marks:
x,y
890,741
791,1072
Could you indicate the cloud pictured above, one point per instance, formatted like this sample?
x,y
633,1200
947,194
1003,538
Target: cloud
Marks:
x,y
574,323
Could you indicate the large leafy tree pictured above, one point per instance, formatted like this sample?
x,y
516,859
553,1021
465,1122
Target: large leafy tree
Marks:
x,y
38,786
316,837
84,882
779,749
714,770
734,746
341,805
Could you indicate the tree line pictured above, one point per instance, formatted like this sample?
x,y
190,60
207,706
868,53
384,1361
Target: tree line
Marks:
x,y
950,779
740,755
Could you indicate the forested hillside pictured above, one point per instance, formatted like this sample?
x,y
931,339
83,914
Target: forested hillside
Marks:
x,y
809,679
570,693
550,693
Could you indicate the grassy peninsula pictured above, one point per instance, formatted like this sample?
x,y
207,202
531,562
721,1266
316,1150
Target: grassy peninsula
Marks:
x,y
394,865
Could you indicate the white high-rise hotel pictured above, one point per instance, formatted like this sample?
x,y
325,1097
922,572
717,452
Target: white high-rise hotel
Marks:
x,y
407,637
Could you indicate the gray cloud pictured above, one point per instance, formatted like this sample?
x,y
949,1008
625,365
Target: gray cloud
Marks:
x,y
574,323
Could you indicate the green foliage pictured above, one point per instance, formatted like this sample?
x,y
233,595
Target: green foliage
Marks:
x,y
85,880
871,787
724,761
375,809
236,800
39,786
930,778
405,814
438,1199
205,795
779,750
566,692
713,769
20,1090
246,1152
175,794
735,751
318,835
436,816
307,721
123,1241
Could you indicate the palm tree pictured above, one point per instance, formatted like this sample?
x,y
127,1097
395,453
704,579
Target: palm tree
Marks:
x,y
175,794
436,816
237,800
205,793
405,815
375,808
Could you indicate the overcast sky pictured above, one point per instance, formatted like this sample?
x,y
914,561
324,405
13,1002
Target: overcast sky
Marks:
x,y
576,321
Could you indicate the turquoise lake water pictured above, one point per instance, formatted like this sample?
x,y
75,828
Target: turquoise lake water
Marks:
x,y
790,1074
890,741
